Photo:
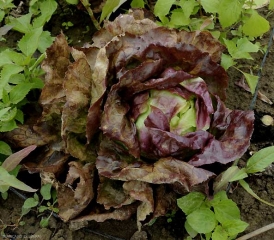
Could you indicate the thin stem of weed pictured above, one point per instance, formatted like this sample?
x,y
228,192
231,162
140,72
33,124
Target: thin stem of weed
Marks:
x,y
93,19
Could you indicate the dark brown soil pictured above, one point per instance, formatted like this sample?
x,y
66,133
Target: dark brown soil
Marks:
x,y
254,212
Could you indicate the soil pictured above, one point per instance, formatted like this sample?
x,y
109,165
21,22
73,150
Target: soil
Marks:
x,y
254,212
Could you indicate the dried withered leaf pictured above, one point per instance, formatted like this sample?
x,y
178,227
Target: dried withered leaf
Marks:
x,y
71,202
55,65
47,159
165,170
25,135
134,23
52,96
111,194
98,89
165,200
122,213
142,192
76,147
77,86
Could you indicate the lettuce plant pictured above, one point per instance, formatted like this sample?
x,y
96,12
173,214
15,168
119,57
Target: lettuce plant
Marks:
x,y
141,112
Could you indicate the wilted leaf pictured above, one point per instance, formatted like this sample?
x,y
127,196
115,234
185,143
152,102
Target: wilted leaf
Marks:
x,y
77,87
25,135
48,159
142,192
120,214
165,170
111,194
71,202
55,65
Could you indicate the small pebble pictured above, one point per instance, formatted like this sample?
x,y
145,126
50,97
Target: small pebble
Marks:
x,y
267,120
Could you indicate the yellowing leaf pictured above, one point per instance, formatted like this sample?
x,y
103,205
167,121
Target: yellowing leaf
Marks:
x,y
255,25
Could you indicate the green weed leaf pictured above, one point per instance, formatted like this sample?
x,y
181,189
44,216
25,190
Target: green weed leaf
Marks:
x,y
47,9
190,202
109,7
7,126
233,173
10,115
45,41
22,24
4,58
235,226
137,4
29,43
5,148
190,230
260,160
240,48
226,210
5,195
19,116
9,56
19,92
229,12
210,6
4,111
42,208
11,181
46,191
2,15
25,211
178,18
202,220
246,187
255,25
271,5
30,203
252,81
7,71
162,7
227,61
44,222
219,233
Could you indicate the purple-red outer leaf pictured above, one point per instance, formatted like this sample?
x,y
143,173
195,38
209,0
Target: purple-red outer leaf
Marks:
x,y
233,130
